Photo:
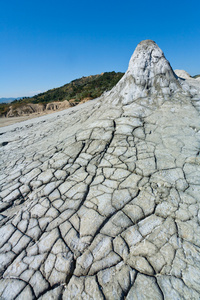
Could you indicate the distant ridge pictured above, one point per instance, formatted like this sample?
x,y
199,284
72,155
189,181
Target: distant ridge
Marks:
x,y
8,100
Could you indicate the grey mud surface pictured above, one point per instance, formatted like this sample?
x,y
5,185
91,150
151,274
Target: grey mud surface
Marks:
x,y
103,201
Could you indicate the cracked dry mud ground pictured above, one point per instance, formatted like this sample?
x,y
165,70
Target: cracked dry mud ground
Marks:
x,y
103,202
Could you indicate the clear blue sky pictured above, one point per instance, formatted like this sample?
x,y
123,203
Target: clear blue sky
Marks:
x,y
47,43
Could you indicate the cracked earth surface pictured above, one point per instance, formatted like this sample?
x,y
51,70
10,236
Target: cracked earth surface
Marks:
x,y
103,202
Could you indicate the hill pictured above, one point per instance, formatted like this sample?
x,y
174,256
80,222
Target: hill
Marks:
x,y
86,87
196,76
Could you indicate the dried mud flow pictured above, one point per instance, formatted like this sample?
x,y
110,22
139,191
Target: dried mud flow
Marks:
x,y
103,201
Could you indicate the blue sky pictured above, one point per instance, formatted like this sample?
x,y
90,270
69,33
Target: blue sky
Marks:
x,y
45,44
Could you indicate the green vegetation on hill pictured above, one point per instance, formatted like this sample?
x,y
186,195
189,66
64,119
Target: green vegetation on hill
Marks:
x,y
78,89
